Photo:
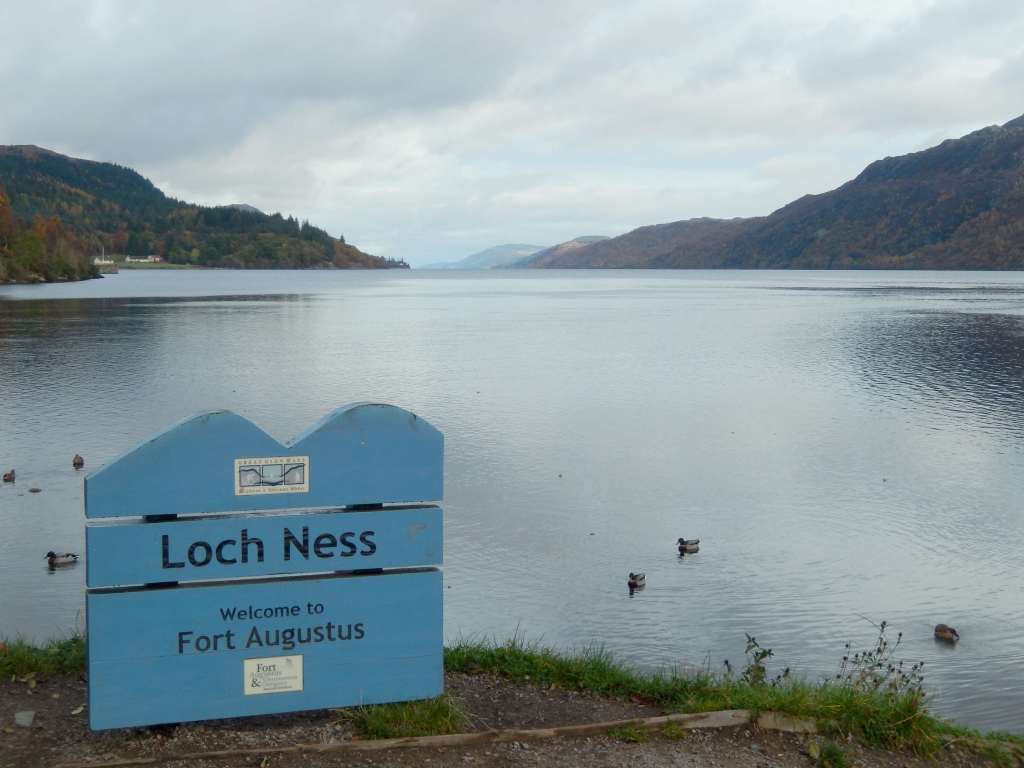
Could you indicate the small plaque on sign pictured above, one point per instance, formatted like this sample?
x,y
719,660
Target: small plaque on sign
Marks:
x,y
277,674
274,474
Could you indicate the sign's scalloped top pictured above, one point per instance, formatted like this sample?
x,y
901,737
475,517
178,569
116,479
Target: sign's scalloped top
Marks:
x,y
218,462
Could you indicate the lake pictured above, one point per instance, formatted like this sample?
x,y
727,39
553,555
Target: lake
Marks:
x,y
849,447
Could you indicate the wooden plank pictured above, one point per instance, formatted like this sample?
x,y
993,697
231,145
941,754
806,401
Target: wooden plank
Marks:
x,y
728,718
253,648
262,545
218,462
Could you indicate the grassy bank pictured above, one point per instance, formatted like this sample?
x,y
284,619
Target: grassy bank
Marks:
x,y
877,718
882,712
882,716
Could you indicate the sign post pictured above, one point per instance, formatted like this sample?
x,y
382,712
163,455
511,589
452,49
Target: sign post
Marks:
x,y
230,575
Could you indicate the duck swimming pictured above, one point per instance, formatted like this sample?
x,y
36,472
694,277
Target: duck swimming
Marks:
x,y
78,462
54,560
9,476
636,580
688,546
946,633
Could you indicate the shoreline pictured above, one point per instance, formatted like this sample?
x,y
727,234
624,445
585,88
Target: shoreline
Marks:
x,y
486,680
199,267
38,280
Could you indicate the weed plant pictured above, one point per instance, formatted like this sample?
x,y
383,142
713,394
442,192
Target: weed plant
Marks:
x,y
19,658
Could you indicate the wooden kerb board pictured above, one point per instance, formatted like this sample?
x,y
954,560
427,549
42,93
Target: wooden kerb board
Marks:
x,y
229,574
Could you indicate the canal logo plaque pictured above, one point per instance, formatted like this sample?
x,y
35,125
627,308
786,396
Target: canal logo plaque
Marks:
x,y
265,584
279,474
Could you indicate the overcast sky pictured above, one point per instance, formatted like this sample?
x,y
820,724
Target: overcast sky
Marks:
x,y
428,130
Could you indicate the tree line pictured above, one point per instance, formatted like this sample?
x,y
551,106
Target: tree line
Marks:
x,y
39,251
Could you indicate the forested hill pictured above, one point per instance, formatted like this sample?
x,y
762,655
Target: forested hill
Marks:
x,y
105,206
959,205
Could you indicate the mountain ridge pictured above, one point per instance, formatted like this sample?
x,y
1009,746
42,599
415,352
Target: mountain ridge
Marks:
x,y
555,252
957,205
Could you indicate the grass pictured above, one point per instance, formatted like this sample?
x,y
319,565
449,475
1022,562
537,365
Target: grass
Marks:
x,y
430,717
674,732
629,734
878,718
58,657
1003,749
831,756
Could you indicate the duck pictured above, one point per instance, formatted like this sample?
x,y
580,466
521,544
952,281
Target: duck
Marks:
x,y
54,560
78,462
946,633
636,580
688,546
9,476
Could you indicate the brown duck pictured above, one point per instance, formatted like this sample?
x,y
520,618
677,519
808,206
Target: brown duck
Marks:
x,y
55,560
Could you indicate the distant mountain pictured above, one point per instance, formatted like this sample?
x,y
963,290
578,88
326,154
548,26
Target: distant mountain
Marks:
x,y
492,258
109,207
551,257
959,205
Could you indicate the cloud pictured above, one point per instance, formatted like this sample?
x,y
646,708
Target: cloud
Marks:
x,y
430,130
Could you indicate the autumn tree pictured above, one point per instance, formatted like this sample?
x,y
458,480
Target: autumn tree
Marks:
x,y
6,221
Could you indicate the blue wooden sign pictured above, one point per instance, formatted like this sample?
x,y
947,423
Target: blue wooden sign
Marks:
x,y
245,576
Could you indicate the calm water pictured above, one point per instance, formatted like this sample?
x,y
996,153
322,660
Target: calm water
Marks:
x,y
845,445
